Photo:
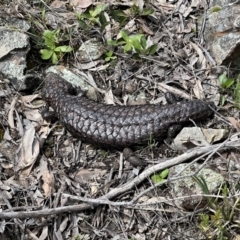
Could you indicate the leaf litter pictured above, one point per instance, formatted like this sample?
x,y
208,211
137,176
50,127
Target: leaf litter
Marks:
x,y
42,161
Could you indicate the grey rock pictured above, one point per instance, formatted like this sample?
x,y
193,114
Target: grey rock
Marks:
x,y
76,80
221,34
187,191
14,47
191,137
90,50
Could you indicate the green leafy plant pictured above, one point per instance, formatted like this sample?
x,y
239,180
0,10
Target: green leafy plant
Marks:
x,y
104,154
151,141
213,223
93,16
216,9
136,11
157,178
109,56
203,185
225,84
119,16
136,43
52,50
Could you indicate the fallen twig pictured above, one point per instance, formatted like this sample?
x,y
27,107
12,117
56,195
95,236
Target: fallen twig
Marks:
x,y
229,144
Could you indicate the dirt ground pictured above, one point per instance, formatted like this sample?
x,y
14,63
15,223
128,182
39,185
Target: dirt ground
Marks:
x,y
54,186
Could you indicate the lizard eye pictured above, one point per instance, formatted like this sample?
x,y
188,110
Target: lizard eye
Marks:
x,y
72,91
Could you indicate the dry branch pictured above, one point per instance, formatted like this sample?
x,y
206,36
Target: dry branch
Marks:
x,y
196,152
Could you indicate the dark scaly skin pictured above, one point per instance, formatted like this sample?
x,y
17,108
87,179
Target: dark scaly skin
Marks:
x,y
117,126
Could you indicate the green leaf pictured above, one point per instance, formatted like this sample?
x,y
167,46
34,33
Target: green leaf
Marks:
x,y
152,49
229,82
202,184
127,47
109,54
121,42
135,42
54,58
216,9
222,78
46,53
135,9
83,15
63,49
79,16
205,223
84,25
225,190
124,35
99,8
147,11
119,16
137,36
49,39
43,14
94,20
56,35
117,13
112,42
107,59
224,81
222,100
157,178
103,21
143,42
164,173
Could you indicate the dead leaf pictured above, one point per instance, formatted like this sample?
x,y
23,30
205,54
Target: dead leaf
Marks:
x,y
109,97
64,224
58,4
10,113
90,50
108,30
198,90
38,197
47,177
28,101
144,27
34,115
6,135
80,3
195,3
187,11
89,65
29,149
44,233
44,131
86,175
202,59
235,123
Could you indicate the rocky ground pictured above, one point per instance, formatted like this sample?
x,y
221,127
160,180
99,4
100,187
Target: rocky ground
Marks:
x,y
53,185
